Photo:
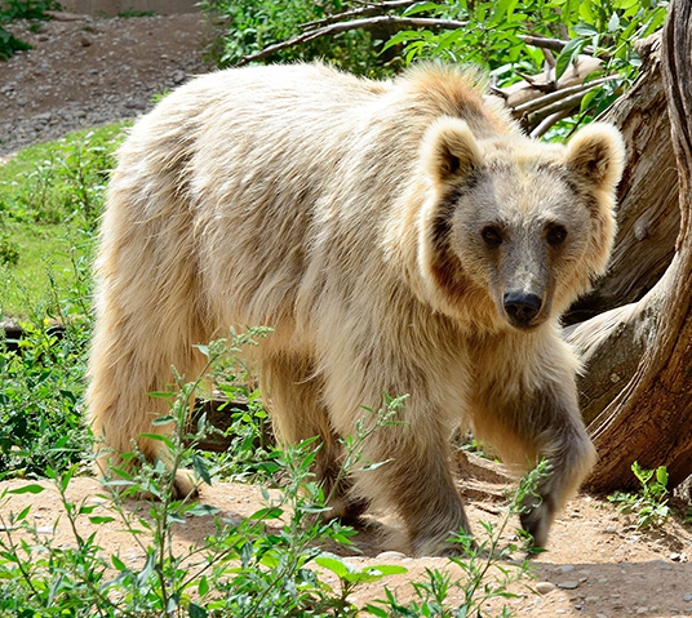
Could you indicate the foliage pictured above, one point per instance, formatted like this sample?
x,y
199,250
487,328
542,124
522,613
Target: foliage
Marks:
x,y
10,44
650,504
41,385
259,567
252,25
26,9
494,36
50,199
20,9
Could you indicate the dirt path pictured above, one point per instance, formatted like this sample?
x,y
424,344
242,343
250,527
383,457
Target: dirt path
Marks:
x,y
83,72
597,564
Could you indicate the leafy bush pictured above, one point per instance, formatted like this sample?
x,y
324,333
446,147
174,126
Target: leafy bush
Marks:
x,y
494,36
251,26
20,9
26,9
41,387
10,44
650,504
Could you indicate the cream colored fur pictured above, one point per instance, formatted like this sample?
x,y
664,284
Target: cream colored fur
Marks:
x,y
347,215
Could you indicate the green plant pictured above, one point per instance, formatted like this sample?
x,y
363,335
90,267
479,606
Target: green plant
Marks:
x,y
650,503
41,385
26,9
260,567
10,44
20,9
251,26
50,199
494,36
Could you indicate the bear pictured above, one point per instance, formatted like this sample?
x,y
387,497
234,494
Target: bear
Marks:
x,y
400,237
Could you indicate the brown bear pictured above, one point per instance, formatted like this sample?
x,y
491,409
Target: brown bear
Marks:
x,y
399,237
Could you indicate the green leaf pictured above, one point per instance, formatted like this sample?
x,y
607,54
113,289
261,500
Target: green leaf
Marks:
x,y
614,22
568,54
376,611
200,467
203,586
202,510
333,564
148,569
389,569
195,611
662,475
159,438
585,30
101,519
27,489
118,563
271,512
163,420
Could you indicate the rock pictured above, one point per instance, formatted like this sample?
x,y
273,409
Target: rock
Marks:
x,y
544,587
566,568
391,555
687,598
568,585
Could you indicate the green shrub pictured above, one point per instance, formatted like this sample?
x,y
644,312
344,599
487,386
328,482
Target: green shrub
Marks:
x,y
650,503
252,25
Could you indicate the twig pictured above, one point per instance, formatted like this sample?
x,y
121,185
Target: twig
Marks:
x,y
365,11
547,99
566,103
548,122
368,23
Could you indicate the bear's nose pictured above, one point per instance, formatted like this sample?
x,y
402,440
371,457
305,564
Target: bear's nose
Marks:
x,y
521,308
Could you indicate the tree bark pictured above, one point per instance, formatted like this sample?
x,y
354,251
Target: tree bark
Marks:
x,y
650,420
649,215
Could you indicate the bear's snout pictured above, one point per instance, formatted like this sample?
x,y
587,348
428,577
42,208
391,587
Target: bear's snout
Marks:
x,y
521,308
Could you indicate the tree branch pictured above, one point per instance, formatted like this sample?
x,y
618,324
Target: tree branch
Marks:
x,y
366,11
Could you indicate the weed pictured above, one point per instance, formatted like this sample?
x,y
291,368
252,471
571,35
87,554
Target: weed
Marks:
x,y
650,504
260,567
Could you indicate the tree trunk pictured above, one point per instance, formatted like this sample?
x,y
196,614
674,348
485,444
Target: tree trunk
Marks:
x,y
650,420
649,215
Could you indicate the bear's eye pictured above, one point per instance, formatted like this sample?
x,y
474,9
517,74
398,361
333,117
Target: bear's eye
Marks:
x,y
556,235
491,235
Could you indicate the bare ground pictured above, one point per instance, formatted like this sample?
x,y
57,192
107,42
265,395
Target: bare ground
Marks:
x,y
84,72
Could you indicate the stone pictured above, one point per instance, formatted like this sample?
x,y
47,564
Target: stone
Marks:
x,y
544,587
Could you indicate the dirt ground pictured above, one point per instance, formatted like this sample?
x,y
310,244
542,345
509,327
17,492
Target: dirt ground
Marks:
x,y
84,72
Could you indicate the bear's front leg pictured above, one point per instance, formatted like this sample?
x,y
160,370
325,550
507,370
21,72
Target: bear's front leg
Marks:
x,y
416,480
526,425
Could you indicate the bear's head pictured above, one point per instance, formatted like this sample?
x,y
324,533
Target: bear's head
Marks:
x,y
515,225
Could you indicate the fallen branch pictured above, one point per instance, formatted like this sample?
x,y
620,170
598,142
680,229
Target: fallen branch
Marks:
x,y
547,99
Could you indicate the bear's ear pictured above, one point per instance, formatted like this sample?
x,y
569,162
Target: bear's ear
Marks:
x,y
597,155
450,150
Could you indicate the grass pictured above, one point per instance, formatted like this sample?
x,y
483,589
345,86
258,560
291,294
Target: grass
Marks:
x,y
50,197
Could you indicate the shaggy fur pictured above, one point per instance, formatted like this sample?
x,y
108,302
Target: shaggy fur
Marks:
x,y
360,220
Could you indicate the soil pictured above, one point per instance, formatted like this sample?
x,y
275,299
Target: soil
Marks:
x,y
84,72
